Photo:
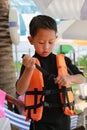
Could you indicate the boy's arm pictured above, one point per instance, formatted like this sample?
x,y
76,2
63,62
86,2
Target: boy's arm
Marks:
x,y
23,82
70,79
77,78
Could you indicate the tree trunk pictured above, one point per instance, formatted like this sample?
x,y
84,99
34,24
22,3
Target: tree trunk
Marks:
x,y
7,70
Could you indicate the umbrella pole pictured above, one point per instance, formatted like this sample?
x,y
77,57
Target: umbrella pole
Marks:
x,y
78,57
60,49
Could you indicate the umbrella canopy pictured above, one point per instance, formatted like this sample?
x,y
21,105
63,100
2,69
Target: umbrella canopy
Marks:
x,y
65,49
63,9
77,30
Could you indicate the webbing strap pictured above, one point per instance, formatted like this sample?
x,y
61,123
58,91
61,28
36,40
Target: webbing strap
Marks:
x,y
33,106
45,104
44,92
48,92
65,98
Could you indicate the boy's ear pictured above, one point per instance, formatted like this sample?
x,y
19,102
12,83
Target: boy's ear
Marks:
x,y
30,40
57,38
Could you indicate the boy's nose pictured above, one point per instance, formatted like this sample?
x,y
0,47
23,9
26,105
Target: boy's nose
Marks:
x,y
46,46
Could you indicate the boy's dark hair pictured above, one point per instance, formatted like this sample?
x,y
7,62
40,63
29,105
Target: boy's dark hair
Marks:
x,y
42,21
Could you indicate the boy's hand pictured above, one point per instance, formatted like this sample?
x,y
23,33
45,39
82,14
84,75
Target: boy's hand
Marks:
x,y
62,80
28,61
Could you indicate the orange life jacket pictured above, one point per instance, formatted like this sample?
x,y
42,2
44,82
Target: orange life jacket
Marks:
x,y
35,97
68,100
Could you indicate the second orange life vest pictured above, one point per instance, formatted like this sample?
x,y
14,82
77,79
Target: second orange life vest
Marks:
x,y
35,96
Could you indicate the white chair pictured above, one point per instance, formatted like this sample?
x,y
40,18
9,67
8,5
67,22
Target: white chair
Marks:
x,y
17,120
5,124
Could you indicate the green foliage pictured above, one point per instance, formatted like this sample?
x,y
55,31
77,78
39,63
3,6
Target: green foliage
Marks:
x,y
17,66
78,111
74,88
83,62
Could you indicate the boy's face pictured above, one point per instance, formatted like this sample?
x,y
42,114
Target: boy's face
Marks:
x,y
44,41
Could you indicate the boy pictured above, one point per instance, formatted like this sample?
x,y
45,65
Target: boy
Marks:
x,y
43,33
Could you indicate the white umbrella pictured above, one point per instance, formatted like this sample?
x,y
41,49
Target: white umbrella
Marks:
x,y
77,30
63,9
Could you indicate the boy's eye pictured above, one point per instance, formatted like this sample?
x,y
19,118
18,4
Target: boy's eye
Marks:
x,y
41,42
51,42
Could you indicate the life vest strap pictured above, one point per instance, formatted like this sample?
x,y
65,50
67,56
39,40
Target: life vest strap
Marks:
x,y
70,105
34,92
44,92
48,92
45,104
50,105
34,106
64,89
65,96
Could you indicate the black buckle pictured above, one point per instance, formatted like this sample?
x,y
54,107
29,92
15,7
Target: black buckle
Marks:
x,y
45,104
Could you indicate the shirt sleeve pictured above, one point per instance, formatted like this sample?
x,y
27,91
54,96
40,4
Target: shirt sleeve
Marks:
x,y
72,69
